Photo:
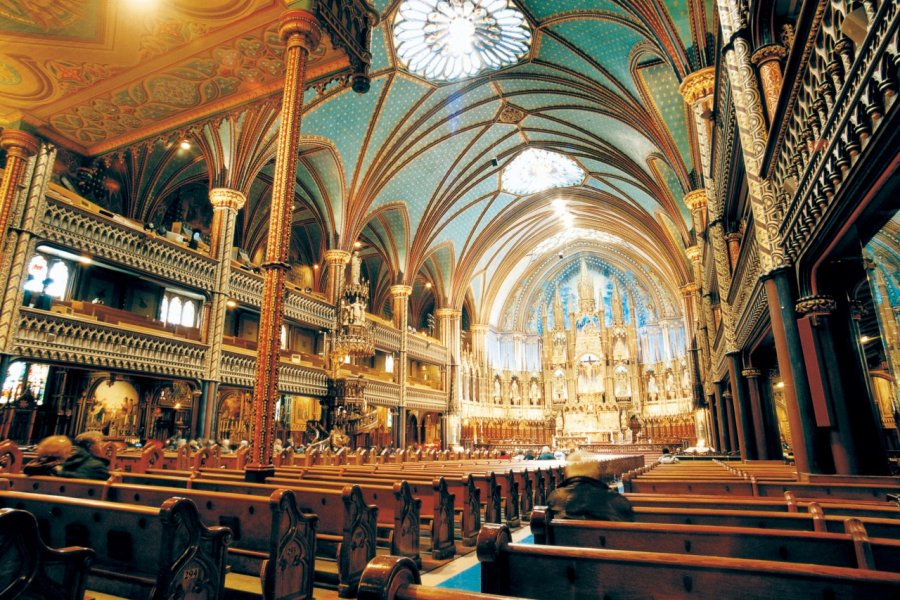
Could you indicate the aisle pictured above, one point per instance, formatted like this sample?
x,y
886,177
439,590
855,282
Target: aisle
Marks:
x,y
464,573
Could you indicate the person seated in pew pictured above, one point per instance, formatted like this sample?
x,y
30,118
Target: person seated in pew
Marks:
x,y
546,454
667,458
58,456
584,496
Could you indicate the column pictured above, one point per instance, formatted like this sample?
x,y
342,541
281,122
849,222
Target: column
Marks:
x,y
400,304
768,60
740,404
300,32
728,410
449,326
721,419
226,203
335,262
809,453
479,341
751,376
697,90
734,248
19,146
715,436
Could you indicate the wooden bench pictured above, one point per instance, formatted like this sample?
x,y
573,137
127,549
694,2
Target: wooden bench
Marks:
x,y
271,538
38,571
553,572
347,526
11,459
140,552
853,549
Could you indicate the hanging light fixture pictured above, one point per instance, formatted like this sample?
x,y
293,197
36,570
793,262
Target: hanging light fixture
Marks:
x,y
448,40
536,170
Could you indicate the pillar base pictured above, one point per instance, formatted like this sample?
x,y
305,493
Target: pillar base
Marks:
x,y
258,474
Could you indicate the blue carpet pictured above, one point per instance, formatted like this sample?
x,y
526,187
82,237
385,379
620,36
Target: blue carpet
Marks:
x,y
470,579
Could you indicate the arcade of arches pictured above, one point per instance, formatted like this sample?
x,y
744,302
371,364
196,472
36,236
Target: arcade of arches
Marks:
x,y
657,222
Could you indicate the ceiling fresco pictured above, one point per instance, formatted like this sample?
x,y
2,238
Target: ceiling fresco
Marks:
x,y
412,168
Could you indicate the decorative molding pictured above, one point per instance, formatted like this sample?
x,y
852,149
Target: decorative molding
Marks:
x,y
816,305
698,84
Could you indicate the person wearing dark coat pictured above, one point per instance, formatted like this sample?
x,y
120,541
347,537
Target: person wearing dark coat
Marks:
x,y
58,455
583,496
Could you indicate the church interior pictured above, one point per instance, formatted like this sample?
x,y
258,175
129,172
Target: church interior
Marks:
x,y
342,292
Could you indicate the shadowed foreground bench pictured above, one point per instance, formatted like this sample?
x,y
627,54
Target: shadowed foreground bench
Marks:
x,y
29,569
553,572
141,552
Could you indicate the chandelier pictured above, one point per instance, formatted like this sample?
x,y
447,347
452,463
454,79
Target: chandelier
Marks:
x,y
536,170
447,40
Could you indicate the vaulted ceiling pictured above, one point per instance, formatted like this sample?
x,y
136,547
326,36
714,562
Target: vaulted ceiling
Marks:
x,y
412,168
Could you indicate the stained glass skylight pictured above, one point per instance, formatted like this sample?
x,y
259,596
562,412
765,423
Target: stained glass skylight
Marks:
x,y
535,170
448,40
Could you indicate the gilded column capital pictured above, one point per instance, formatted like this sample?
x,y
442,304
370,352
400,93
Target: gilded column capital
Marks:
x,y
300,27
447,313
693,253
336,257
816,305
19,143
696,199
479,327
751,373
221,197
400,291
768,53
689,288
698,84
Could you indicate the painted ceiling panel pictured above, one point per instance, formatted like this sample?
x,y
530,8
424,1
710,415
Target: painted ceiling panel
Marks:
x,y
324,164
674,185
553,51
488,146
678,10
380,57
541,9
403,93
345,120
609,44
645,201
663,87
457,230
413,184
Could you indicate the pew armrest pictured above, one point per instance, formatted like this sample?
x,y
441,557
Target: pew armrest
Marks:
x,y
385,575
539,522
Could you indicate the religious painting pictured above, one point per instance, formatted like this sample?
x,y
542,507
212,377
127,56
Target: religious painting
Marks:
x,y
113,408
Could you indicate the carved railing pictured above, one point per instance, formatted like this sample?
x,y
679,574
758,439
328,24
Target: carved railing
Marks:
x,y
239,369
426,349
63,338
754,310
841,96
382,393
746,274
104,237
246,288
425,399
386,338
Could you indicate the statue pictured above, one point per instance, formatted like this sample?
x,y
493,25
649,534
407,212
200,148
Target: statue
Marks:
x,y
497,395
534,394
514,395
355,267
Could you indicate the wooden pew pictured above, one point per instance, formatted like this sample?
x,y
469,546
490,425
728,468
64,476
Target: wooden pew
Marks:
x,y
11,459
140,552
397,578
553,572
41,572
134,462
347,526
853,549
271,537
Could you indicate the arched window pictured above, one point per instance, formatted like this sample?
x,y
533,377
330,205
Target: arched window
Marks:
x,y
37,272
164,309
188,314
284,337
59,280
175,306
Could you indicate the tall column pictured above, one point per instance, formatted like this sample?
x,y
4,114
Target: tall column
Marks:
x,y
400,304
721,419
300,31
728,409
751,376
809,453
742,417
697,90
479,333
19,146
768,60
335,261
226,203
715,431
449,326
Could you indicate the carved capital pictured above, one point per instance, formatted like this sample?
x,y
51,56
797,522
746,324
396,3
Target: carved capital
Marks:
x,y
751,373
768,53
18,143
818,305
479,327
299,27
693,253
695,199
227,198
447,313
337,257
698,84
400,291
690,288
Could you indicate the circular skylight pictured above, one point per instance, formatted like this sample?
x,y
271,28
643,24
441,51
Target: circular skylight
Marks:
x,y
536,170
447,40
